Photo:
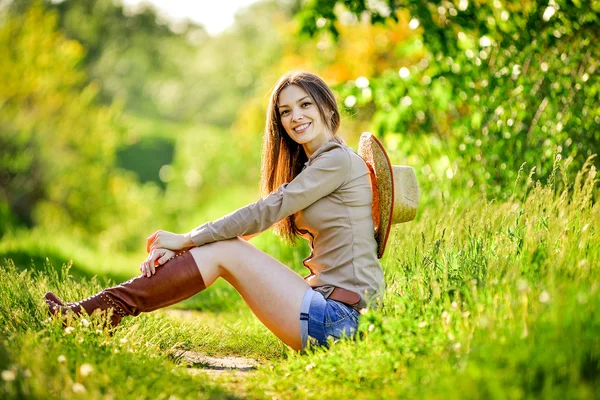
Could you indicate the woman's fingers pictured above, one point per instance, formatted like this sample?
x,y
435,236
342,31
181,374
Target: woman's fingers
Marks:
x,y
155,258
165,257
145,266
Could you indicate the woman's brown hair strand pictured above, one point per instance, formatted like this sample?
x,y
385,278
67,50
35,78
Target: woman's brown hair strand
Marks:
x,y
282,158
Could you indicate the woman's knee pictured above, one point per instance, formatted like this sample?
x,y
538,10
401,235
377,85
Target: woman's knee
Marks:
x,y
221,252
227,247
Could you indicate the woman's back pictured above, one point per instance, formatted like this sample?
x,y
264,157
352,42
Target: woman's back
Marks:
x,y
339,227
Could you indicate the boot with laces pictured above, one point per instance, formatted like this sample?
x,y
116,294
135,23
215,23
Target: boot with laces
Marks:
x,y
174,281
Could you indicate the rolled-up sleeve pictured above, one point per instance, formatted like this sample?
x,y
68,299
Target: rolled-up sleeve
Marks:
x,y
322,176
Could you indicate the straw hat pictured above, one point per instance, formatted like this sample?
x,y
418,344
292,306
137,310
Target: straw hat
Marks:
x,y
395,189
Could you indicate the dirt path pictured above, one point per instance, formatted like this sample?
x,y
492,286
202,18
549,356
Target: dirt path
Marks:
x,y
216,365
229,370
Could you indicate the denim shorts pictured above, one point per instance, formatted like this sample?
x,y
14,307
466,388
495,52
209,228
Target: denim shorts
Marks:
x,y
321,319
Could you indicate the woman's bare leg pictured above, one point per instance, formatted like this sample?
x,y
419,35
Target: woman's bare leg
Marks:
x,y
273,291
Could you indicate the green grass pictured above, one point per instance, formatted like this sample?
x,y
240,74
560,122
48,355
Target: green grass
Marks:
x,y
484,300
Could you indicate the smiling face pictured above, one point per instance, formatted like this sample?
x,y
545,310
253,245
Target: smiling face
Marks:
x,y
301,119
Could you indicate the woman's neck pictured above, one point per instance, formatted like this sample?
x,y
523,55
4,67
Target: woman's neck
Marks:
x,y
311,147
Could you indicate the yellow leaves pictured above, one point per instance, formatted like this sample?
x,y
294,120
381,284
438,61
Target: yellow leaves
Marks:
x,y
40,62
363,49
56,122
71,48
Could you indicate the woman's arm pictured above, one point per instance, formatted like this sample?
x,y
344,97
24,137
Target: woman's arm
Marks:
x,y
323,175
250,236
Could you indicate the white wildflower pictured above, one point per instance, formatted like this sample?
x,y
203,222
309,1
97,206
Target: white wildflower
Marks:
x,y
78,388
62,359
446,318
544,297
522,285
86,369
8,375
69,330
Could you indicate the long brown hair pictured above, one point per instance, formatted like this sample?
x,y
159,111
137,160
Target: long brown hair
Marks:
x,y
282,158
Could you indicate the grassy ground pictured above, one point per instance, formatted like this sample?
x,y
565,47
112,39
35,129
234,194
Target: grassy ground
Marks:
x,y
484,300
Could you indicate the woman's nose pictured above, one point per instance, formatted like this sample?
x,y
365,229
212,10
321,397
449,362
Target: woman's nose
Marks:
x,y
297,115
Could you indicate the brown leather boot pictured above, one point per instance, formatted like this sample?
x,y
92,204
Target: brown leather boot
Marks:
x,y
174,281
49,296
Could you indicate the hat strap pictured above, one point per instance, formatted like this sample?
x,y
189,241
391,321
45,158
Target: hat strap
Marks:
x,y
375,208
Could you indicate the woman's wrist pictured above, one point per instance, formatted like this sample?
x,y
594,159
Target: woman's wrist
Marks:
x,y
187,240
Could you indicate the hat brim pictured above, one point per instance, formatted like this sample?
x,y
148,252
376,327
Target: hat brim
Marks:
x,y
373,152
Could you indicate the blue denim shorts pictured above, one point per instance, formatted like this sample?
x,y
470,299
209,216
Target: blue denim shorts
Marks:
x,y
321,319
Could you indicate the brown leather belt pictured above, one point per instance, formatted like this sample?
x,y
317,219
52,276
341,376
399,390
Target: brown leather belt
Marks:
x,y
345,296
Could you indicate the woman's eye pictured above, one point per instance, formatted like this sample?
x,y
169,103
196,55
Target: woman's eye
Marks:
x,y
284,112
305,104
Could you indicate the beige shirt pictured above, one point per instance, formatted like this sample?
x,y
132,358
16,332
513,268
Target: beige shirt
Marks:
x,y
331,201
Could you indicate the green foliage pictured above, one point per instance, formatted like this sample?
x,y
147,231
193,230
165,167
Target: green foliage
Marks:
x,y
483,300
87,361
135,57
57,144
155,80
146,158
505,83
58,165
486,300
227,69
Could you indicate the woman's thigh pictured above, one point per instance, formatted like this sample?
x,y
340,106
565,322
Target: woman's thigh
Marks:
x,y
272,291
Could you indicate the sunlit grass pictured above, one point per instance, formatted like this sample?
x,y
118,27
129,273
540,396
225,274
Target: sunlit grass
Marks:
x,y
484,300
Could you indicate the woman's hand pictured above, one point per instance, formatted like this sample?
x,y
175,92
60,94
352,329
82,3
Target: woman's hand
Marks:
x,y
155,258
168,240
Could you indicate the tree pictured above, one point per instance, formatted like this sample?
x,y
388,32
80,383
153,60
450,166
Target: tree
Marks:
x,y
57,142
504,82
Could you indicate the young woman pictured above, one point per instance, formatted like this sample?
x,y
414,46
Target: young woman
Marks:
x,y
318,188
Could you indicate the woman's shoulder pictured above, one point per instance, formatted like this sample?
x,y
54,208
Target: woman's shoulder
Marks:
x,y
332,152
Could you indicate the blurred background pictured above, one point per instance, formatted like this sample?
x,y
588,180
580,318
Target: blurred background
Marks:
x,y
121,118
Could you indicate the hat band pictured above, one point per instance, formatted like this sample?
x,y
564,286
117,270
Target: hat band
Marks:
x,y
375,208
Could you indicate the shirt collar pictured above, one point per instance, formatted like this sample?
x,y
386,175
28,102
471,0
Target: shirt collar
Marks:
x,y
337,141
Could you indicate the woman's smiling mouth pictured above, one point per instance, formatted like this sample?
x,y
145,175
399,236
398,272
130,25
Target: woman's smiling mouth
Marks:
x,y
302,128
